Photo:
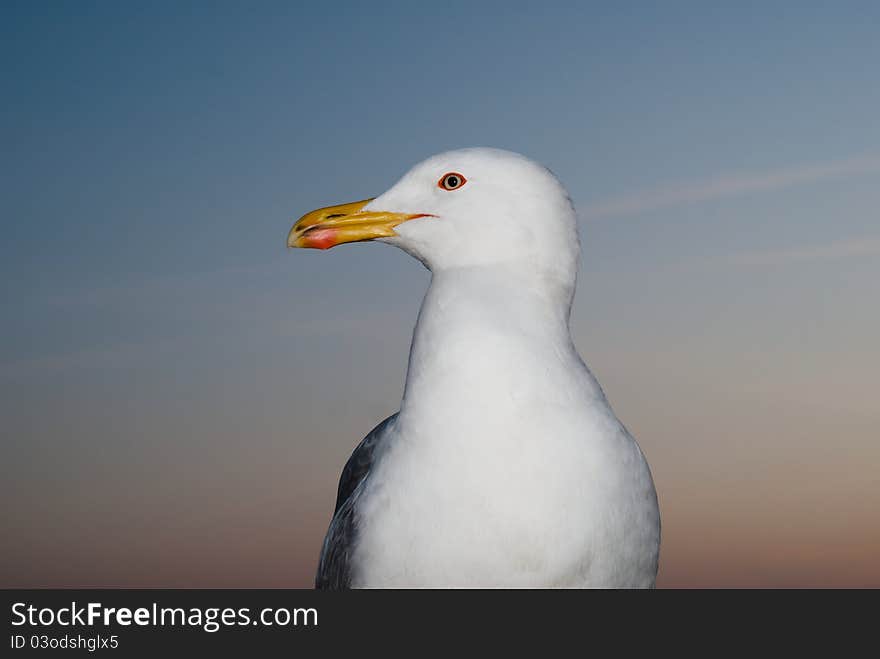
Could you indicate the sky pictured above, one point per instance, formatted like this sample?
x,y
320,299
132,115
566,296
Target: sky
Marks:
x,y
179,392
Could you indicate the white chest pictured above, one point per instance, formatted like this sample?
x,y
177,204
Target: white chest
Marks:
x,y
563,503
505,466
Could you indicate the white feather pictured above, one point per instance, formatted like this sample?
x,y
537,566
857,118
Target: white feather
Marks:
x,y
506,466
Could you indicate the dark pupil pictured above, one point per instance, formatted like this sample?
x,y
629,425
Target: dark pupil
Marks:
x,y
451,181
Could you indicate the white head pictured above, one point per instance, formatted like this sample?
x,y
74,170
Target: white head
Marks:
x,y
465,208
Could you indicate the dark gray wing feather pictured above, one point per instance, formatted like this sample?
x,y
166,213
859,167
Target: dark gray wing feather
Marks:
x,y
334,567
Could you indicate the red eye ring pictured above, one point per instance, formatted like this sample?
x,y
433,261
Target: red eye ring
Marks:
x,y
451,181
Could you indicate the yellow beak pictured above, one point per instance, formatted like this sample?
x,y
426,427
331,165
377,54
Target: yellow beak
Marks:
x,y
327,227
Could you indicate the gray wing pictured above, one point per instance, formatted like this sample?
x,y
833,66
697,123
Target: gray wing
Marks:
x,y
334,567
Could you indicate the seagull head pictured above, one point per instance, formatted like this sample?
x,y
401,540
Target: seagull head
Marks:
x,y
465,208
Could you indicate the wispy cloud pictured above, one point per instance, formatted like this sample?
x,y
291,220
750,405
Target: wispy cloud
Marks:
x,y
728,186
869,246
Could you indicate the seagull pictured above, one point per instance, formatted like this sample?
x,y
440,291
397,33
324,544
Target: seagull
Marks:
x,y
505,466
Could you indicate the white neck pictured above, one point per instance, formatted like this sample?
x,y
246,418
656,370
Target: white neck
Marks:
x,y
505,465
486,335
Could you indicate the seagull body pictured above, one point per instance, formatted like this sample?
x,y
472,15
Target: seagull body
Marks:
x,y
505,466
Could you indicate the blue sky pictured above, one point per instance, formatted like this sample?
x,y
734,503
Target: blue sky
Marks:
x,y
725,161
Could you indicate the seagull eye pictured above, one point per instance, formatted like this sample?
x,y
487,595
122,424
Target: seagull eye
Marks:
x,y
451,181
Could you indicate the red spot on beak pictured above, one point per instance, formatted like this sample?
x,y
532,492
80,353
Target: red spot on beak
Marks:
x,y
320,238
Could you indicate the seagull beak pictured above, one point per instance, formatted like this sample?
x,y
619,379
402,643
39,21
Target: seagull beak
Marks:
x,y
327,227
